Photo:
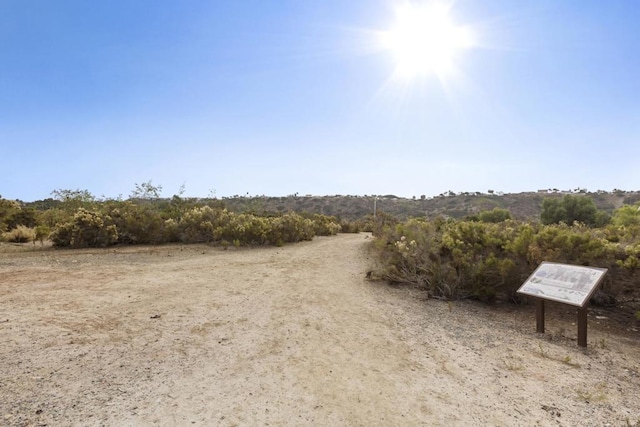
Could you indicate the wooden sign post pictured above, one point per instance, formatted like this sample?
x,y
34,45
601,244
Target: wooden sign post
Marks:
x,y
567,284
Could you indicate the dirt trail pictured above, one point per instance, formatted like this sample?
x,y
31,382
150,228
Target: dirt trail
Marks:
x,y
196,335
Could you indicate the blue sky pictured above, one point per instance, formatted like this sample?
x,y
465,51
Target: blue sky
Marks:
x,y
281,97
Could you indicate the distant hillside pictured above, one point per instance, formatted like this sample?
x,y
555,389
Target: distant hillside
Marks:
x,y
522,205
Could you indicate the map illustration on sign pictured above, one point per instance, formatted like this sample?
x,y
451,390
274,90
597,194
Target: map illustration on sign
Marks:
x,y
569,284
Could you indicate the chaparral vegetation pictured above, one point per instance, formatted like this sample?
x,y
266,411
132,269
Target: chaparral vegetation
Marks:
x,y
75,219
485,254
488,256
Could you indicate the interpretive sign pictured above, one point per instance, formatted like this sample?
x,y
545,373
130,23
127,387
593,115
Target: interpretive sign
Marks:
x,y
568,284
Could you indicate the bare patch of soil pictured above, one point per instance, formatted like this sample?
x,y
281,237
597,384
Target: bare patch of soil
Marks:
x,y
194,335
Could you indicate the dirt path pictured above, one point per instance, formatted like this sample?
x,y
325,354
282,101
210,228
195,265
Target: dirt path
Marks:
x,y
283,336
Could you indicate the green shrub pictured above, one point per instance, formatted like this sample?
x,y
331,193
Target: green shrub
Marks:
x,y
54,216
572,209
87,229
467,259
627,216
132,222
290,228
247,229
8,208
478,253
382,222
62,234
626,222
42,233
198,224
495,215
410,254
205,224
576,244
351,226
325,225
25,217
171,231
136,223
12,215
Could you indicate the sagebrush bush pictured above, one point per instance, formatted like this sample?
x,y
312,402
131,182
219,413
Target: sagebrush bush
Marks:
x,y
290,228
325,225
62,234
136,223
381,222
199,224
467,259
246,229
87,229
171,231
351,226
133,223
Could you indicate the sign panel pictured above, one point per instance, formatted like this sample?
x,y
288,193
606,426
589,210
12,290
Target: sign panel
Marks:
x,y
569,284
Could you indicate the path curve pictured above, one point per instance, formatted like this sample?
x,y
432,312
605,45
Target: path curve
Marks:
x,y
194,335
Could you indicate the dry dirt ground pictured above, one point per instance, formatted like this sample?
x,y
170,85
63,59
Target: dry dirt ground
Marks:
x,y
195,335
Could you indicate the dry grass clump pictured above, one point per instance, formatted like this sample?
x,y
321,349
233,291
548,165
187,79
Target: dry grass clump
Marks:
x,y
20,234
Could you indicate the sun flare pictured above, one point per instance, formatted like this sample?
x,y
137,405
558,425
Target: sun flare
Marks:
x,y
425,41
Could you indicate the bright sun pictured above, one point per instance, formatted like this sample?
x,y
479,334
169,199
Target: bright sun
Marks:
x,y
425,41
